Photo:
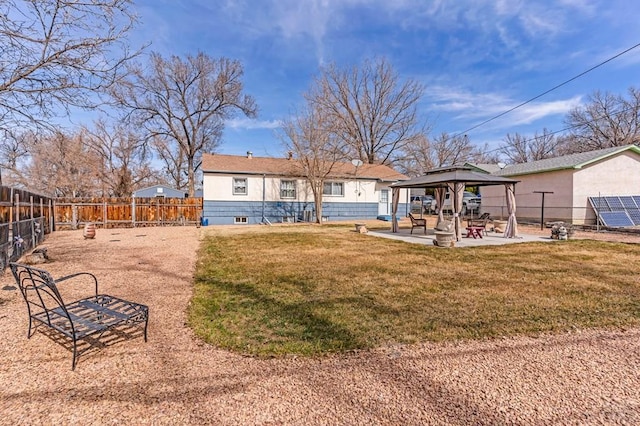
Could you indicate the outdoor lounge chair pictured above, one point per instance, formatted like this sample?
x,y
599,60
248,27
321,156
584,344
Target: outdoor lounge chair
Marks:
x,y
418,223
480,222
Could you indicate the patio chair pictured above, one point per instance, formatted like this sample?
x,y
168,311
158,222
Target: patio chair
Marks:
x,y
418,223
480,222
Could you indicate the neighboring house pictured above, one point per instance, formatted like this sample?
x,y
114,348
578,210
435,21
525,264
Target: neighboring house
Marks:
x,y
249,190
567,183
159,191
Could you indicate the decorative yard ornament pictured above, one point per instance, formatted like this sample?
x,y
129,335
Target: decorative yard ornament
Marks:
x,y
563,234
89,231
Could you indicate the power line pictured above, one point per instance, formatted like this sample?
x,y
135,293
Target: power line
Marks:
x,y
575,126
548,91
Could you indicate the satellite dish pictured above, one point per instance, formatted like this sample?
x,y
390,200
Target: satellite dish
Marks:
x,y
356,162
502,165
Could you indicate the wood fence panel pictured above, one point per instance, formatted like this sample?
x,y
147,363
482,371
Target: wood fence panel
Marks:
x,y
127,212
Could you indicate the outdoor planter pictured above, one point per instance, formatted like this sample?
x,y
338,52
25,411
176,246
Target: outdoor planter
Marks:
x,y
445,239
361,228
499,225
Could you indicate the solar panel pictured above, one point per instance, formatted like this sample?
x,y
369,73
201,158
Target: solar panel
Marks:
x,y
599,204
617,211
615,219
634,215
614,203
628,203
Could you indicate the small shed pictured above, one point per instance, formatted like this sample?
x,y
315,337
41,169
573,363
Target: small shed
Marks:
x,y
160,191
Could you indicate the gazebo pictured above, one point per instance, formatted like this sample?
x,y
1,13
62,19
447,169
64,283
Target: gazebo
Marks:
x,y
456,178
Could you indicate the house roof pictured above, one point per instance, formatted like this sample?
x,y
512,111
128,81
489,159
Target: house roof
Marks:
x,y
438,178
572,161
484,167
237,164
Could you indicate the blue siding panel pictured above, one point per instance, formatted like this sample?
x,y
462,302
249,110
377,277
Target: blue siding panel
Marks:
x,y
224,212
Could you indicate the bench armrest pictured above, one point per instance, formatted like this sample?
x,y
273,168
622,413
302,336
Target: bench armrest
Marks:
x,y
78,274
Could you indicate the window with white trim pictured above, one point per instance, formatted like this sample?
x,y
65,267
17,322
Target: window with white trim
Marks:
x,y
287,189
239,186
335,189
240,220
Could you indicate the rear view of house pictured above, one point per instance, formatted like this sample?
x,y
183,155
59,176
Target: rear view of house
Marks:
x,y
250,190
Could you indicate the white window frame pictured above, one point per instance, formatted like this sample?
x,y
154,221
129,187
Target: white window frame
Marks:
x,y
333,185
240,220
283,189
384,196
246,186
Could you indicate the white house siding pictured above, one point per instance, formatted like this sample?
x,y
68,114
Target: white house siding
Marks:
x,y
528,202
221,207
619,175
616,175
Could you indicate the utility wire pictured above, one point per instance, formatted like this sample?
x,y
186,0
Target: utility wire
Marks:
x,y
575,126
546,92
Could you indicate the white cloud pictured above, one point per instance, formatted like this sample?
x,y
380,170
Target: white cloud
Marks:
x,y
249,124
477,107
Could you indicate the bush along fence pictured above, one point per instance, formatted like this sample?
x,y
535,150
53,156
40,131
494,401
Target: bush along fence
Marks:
x,y
71,213
25,218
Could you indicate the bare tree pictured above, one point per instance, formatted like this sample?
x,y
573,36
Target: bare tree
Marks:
x,y
606,120
373,112
517,148
173,161
314,149
185,102
124,163
14,151
59,53
426,154
60,165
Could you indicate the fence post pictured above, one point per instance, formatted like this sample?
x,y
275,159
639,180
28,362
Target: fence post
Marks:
x,y
74,216
133,211
33,233
16,219
105,216
52,220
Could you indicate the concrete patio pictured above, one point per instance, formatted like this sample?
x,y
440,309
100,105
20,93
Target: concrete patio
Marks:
x,y
491,239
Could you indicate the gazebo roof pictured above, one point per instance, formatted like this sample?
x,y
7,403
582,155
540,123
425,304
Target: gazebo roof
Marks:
x,y
442,176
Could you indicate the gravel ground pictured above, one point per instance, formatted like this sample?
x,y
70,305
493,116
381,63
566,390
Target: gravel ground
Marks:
x,y
582,377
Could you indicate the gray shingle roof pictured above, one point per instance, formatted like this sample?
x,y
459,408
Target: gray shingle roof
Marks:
x,y
573,161
441,177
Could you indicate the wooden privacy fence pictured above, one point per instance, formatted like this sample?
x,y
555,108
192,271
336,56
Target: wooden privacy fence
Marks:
x,y
25,218
126,212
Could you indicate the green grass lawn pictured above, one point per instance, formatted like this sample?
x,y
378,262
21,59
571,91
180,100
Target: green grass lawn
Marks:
x,y
310,290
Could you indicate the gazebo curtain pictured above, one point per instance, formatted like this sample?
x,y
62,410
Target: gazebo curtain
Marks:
x,y
458,192
511,230
439,196
395,200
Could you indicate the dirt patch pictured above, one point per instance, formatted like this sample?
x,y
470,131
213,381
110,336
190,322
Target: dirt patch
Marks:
x,y
582,377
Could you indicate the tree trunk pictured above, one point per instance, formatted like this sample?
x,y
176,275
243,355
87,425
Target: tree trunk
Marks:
x,y
317,199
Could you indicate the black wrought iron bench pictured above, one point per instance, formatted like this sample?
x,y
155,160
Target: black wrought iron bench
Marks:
x,y
90,316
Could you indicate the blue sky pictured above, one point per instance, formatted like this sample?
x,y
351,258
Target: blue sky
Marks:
x,y
476,58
